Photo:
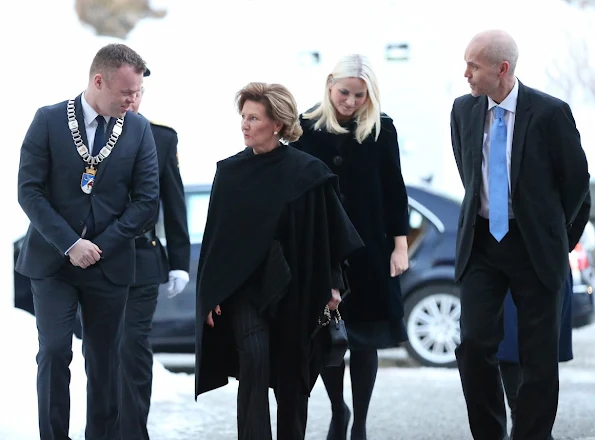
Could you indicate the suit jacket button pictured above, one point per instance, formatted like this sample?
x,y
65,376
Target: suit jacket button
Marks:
x,y
338,161
154,243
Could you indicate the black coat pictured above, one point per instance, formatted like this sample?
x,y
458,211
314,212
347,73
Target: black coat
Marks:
x,y
153,263
283,197
549,177
375,198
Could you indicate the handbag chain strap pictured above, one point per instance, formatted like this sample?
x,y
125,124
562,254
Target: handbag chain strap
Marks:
x,y
327,315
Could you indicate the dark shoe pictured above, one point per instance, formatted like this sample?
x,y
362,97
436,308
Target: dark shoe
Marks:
x,y
508,438
358,437
359,433
338,427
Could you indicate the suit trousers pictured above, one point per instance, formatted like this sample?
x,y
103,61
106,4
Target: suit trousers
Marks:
x,y
56,300
136,368
493,268
252,336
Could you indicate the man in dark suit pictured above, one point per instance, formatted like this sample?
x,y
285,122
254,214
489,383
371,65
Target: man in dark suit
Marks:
x,y
153,267
525,176
88,181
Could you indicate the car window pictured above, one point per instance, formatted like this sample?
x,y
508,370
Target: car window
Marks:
x,y
198,207
417,227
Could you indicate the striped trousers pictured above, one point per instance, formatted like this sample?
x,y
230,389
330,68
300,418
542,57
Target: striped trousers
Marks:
x,y
252,336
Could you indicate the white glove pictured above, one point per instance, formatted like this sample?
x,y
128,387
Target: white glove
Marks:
x,y
177,281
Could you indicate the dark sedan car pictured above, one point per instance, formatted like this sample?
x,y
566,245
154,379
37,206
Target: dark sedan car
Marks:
x,y
432,306
429,280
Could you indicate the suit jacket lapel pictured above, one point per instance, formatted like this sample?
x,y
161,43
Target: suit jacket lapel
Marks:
x,y
521,122
478,117
110,127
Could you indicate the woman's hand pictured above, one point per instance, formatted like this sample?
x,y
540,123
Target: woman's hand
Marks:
x,y
399,262
210,321
333,304
399,259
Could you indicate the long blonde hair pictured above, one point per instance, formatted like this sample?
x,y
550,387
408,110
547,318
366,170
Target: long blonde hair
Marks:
x,y
367,118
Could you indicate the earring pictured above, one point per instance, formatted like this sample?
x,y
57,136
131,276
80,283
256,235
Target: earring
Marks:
x,y
275,133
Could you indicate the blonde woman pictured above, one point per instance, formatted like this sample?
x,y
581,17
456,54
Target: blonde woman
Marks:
x,y
348,132
275,237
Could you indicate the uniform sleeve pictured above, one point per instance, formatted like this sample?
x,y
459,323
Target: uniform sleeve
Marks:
x,y
175,218
396,208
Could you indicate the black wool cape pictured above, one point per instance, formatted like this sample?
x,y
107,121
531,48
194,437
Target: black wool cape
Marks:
x,y
283,200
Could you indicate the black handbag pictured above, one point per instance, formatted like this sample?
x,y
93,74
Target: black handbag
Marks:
x,y
338,341
335,341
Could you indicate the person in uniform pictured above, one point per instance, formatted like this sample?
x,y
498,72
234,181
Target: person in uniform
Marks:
x,y
153,267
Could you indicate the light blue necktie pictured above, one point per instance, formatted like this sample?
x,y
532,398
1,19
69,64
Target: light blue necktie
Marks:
x,y
498,177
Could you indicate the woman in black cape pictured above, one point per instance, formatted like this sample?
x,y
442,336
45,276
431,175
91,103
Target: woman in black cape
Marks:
x,y
275,239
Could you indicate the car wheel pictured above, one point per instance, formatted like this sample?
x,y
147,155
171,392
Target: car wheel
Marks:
x,y
432,317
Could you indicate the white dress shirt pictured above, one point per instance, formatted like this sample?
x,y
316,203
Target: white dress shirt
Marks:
x,y
89,116
509,104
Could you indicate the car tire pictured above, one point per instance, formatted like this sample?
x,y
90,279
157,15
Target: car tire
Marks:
x,y
432,318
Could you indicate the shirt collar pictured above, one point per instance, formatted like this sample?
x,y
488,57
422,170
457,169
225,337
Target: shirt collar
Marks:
x,y
89,114
509,103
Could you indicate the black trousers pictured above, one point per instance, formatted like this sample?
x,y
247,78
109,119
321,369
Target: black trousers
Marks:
x,y
252,336
493,268
511,372
136,368
56,300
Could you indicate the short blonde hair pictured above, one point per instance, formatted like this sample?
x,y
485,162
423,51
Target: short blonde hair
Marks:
x,y
279,103
367,117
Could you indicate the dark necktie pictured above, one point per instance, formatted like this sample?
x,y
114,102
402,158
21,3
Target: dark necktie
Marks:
x,y
98,144
99,141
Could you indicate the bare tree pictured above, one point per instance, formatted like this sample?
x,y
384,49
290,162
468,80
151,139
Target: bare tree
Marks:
x,y
573,73
581,3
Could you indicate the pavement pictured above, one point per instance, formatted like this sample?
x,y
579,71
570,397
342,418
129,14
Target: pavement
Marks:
x,y
409,403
